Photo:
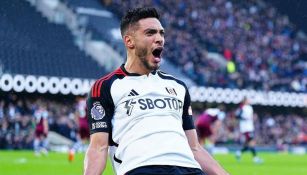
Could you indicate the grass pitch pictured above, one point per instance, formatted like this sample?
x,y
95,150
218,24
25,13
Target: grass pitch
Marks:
x,y
26,163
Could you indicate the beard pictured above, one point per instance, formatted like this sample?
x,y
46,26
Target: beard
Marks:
x,y
142,53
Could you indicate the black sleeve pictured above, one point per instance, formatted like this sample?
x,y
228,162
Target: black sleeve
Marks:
x,y
187,117
100,109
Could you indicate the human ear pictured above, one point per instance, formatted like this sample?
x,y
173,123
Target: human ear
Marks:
x,y
129,42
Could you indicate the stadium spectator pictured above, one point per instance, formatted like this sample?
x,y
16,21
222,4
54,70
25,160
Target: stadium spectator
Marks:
x,y
262,44
1,110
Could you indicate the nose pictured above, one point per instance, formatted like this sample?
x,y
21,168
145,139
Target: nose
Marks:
x,y
159,39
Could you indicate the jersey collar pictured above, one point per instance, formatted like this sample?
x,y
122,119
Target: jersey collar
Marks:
x,y
133,74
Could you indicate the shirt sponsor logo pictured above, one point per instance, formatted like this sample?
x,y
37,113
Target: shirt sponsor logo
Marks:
x,y
97,125
97,111
129,106
159,103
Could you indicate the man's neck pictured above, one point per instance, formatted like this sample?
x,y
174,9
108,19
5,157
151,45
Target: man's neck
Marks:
x,y
134,65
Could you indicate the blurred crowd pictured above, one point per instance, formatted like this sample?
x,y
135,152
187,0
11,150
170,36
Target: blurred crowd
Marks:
x,y
17,122
262,49
17,119
278,130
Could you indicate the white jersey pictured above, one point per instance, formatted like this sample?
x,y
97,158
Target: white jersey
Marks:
x,y
146,116
246,119
40,115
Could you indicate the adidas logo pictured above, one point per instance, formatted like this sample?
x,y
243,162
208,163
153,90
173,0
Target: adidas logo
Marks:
x,y
133,93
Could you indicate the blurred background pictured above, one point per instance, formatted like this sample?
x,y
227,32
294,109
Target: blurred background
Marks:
x,y
51,51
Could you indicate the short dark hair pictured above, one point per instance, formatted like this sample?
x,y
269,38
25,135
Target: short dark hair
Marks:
x,y
134,15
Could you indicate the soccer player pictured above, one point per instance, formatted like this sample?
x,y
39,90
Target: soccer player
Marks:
x,y
41,131
143,114
245,114
83,130
82,121
207,125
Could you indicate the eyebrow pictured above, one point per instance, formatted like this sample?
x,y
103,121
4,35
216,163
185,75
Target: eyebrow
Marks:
x,y
152,30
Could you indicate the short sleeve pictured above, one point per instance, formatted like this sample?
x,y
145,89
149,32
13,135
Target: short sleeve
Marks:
x,y
187,117
100,109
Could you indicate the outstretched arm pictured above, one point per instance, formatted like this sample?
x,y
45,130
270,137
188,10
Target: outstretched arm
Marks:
x,y
96,155
206,161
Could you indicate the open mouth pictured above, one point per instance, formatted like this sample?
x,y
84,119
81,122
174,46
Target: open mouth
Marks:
x,y
157,52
